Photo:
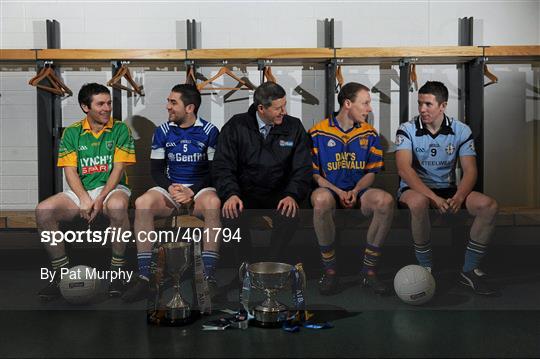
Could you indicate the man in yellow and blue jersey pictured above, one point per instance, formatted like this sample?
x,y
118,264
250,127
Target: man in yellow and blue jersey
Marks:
x,y
428,148
94,153
346,153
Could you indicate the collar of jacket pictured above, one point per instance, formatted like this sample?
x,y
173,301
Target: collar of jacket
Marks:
x,y
276,129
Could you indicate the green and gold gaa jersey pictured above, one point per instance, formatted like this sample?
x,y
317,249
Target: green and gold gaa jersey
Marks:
x,y
94,154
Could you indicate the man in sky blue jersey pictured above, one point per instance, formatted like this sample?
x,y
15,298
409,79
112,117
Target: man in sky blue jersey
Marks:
x,y
182,150
346,155
428,148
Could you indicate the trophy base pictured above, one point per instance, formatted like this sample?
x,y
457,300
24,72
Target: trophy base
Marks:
x,y
175,317
163,318
269,317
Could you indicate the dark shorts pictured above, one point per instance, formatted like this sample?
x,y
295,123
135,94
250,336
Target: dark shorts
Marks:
x,y
336,197
441,192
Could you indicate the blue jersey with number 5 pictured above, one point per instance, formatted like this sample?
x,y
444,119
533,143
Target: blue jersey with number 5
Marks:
x,y
186,150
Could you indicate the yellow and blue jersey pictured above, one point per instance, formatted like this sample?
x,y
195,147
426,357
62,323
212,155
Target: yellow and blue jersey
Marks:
x,y
344,157
435,155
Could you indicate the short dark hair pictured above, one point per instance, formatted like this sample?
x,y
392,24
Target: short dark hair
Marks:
x,y
87,92
190,95
349,92
435,88
266,93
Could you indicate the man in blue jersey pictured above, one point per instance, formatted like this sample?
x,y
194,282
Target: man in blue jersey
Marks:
x,y
428,148
346,153
182,149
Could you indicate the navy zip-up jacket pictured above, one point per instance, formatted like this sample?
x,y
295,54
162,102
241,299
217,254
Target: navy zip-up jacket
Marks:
x,y
246,164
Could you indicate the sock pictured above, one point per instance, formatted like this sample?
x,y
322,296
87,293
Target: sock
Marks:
x,y
328,256
210,260
60,262
144,259
117,261
473,255
371,257
424,254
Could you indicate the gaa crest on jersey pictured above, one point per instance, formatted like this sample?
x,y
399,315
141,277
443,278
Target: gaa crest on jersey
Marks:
x,y
331,143
109,145
450,149
399,139
171,156
364,141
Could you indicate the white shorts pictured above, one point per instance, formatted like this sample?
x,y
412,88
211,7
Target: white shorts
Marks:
x,y
95,192
178,206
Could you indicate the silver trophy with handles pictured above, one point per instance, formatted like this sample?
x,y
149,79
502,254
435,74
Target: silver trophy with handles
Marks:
x,y
270,278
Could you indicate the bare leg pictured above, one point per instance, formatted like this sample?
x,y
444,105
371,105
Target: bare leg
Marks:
x,y
116,209
48,215
418,204
381,205
323,219
208,207
150,205
484,209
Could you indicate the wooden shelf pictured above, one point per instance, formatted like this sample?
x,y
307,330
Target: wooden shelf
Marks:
x,y
362,55
254,54
17,55
518,51
513,54
433,54
116,54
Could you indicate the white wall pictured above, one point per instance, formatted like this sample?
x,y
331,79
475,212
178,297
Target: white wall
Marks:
x,y
247,24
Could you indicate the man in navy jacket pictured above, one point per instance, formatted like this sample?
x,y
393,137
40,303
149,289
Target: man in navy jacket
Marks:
x,y
263,161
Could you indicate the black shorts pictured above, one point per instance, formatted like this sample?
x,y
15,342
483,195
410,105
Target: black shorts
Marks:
x,y
336,197
445,193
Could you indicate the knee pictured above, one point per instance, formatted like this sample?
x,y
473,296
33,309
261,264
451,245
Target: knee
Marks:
x,y
211,201
384,202
418,206
43,206
116,208
321,200
45,211
488,207
143,202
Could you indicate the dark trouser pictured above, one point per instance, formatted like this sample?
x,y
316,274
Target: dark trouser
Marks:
x,y
283,228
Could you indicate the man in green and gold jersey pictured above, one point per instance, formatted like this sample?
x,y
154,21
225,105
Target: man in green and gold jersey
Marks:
x,y
94,153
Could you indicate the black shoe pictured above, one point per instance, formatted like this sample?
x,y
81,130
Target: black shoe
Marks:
x,y
371,281
50,292
116,287
138,291
476,280
329,283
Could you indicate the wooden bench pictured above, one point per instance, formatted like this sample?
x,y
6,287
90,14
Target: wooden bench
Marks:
x,y
507,216
18,228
